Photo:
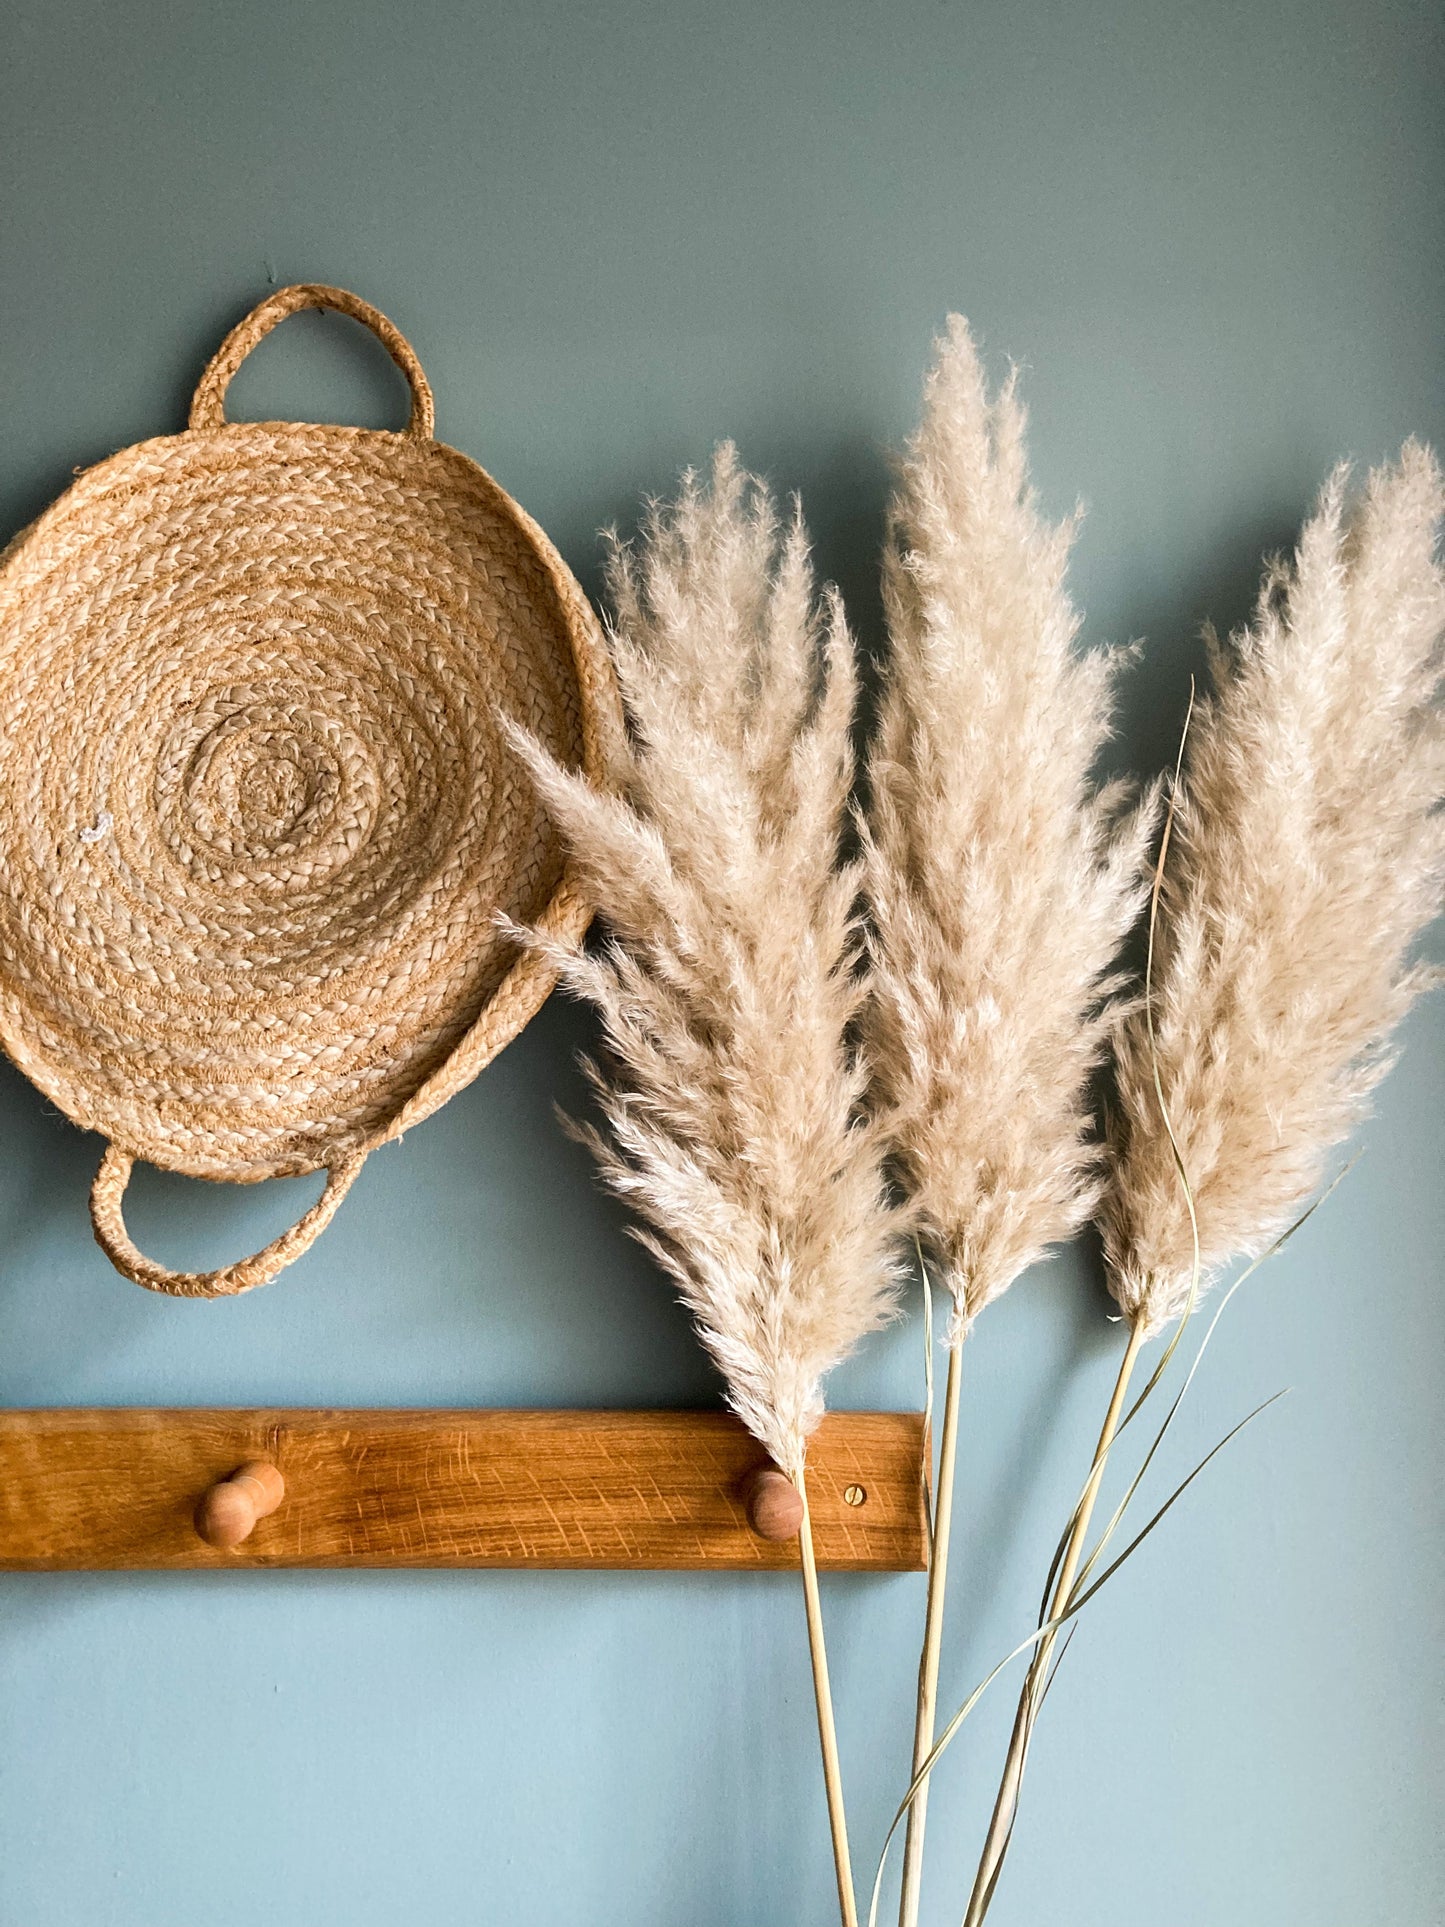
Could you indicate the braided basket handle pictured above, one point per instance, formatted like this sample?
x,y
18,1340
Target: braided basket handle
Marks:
x,y
208,404
115,1241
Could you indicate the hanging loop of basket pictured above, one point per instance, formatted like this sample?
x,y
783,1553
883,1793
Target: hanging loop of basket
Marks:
x,y
257,816
228,1281
208,404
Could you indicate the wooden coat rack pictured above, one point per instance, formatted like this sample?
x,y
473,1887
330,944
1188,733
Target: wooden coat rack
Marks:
x,y
214,1490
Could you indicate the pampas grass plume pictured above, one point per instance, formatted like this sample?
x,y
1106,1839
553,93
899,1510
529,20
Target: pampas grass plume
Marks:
x,y
1308,853
729,978
1002,882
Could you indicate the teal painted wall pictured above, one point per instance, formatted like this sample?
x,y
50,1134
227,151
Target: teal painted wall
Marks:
x,y
1212,234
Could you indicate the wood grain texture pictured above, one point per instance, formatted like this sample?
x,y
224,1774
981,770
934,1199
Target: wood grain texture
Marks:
x,y
118,1489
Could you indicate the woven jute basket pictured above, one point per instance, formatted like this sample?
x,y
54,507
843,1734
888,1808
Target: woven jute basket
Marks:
x,y
257,814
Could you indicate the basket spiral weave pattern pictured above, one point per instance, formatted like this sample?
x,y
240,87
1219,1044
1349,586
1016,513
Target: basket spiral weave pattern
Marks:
x,y
256,812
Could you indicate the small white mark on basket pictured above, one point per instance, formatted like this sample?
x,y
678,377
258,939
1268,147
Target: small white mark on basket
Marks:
x,y
104,823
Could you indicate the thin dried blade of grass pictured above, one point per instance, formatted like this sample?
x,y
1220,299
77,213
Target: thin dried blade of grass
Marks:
x,y
1047,1631
1118,1516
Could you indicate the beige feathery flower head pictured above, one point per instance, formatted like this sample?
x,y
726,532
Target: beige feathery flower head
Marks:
x,y
1002,882
730,975
1308,853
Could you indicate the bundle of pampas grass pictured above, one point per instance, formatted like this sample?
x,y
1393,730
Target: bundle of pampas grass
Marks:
x,y
1305,852
730,979
765,1072
1001,884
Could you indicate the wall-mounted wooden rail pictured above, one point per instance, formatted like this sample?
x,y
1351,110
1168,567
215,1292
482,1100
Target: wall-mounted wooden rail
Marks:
x,y
213,1490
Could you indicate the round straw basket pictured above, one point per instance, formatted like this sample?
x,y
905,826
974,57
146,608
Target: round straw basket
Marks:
x,y
257,816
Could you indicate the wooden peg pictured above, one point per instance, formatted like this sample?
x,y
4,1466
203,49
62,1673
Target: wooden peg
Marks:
x,y
228,1513
775,1505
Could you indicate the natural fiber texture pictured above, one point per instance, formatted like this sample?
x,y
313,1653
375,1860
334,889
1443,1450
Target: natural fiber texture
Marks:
x,y
1307,853
256,809
1002,882
730,1090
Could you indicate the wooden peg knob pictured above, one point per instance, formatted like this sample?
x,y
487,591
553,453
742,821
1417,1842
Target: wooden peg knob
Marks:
x,y
775,1505
228,1513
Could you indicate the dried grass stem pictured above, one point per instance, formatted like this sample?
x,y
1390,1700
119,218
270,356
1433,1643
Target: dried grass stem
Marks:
x,y
927,1714
1036,1682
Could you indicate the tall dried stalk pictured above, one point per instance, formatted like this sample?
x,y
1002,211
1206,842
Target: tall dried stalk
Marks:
x,y
729,981
1309,852
1001,882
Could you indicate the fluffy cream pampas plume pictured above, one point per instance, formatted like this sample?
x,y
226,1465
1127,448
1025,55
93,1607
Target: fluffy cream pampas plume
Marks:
x,y
729,982
1002,881
730,1091
1308,851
